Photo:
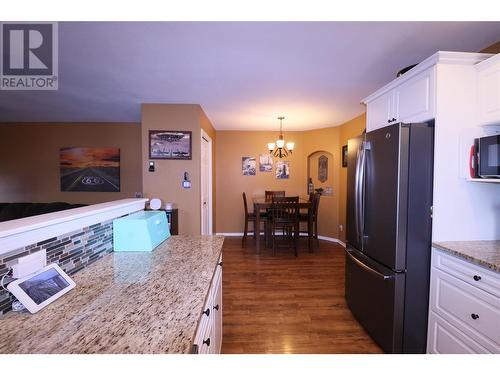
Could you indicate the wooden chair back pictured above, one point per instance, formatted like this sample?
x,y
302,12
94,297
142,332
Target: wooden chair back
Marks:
x,y
315,205
274,193
245,204
284,209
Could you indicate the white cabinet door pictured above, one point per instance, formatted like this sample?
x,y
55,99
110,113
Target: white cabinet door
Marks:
x,y
379,112
414,100
489,92
444,338
217,315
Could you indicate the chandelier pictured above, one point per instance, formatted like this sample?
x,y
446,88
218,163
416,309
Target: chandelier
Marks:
x,y
278,148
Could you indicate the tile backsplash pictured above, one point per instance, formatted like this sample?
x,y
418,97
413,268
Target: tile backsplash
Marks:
x,y
71,251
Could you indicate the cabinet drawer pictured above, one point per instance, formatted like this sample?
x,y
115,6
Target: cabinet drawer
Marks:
x,y
477,276
446,339
471,310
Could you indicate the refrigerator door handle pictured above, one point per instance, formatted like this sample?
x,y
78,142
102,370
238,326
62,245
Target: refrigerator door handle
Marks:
x,y
357,190
367,267
366,147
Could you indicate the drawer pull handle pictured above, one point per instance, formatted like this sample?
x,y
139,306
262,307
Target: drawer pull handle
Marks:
x,y
207,312
207,342
220,264
474,316
477,278
216,307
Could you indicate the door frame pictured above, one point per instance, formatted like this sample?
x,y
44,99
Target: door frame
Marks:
x,y
206,137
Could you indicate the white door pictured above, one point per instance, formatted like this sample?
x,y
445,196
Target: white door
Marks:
x,y
206,184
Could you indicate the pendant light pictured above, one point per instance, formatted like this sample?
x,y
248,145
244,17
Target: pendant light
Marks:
x,y
278,148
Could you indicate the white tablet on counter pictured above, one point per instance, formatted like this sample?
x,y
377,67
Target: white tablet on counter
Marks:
x,y
41,288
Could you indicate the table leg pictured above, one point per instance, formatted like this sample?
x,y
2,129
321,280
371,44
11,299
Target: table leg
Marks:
x,y
256,229
309,229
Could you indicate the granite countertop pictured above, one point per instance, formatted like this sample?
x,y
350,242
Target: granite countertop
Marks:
x,y
147,302
483,253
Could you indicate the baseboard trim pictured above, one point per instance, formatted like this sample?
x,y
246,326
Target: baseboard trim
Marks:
x,y
324,238
332,239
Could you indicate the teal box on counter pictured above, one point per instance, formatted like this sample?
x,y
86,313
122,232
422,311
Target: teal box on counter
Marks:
x,y
140,231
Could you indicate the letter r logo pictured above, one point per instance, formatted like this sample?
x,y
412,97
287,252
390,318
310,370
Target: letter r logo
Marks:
x,y
27,49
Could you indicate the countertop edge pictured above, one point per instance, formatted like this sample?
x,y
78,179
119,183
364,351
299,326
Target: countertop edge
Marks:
x,y
481,261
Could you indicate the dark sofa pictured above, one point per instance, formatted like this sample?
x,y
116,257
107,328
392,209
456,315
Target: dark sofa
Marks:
x,y
12,211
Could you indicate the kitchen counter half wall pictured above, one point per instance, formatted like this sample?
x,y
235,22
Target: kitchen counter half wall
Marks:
x,y
483,253
124,303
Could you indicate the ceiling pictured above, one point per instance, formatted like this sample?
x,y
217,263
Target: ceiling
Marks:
x,y
243,74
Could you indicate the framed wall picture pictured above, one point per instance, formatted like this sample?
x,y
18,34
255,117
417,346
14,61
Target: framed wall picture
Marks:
x,y
344,156
248,165
265,163
323,168
170,144
282,170
89,169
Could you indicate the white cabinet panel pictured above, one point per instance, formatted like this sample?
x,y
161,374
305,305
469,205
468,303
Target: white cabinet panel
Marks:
x,y
411,101
477,276
467,307
379,112
414,99
464,314
489,91
446,339
208,337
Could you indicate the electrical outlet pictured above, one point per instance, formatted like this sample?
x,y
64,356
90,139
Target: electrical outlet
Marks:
x,y
28,264
341,227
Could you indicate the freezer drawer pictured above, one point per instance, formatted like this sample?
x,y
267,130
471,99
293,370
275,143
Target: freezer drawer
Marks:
x,y
375,295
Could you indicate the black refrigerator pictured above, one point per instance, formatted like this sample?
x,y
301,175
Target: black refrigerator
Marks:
x,y
389,218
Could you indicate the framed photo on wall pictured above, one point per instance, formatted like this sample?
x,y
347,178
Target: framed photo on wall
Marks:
x,y
170,144
89,169
344,156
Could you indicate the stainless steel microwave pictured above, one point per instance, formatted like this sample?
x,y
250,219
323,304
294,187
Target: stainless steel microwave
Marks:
x,y
487,157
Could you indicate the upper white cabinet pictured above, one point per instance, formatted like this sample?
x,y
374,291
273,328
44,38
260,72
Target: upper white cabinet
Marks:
x,y
412,97
488,90
412,100
380,111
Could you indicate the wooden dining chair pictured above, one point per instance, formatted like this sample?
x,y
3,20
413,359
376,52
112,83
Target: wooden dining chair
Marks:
x,y
250,217
304,216
284,218
274,193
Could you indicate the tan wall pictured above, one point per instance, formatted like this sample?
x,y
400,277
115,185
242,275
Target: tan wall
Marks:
x,y
166,182
231,146
326,140
348,130
29,159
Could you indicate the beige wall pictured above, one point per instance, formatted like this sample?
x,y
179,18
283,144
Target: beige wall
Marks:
x,y
166,182
326,140
29,159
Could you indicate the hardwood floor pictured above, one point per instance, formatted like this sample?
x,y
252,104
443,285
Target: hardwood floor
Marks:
x,y
288,304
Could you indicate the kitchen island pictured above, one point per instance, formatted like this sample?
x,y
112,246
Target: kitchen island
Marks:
x,y
140,302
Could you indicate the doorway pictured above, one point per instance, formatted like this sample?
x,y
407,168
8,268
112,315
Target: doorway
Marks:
x,y
206,184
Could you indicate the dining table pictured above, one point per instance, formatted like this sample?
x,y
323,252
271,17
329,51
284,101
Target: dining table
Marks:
x,y
262,204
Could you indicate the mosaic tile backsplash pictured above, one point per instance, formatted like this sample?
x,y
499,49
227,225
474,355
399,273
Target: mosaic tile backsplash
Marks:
x,y
72,252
